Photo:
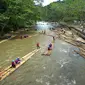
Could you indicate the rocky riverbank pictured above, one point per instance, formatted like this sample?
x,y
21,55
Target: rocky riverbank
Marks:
x,y
74,28
69,37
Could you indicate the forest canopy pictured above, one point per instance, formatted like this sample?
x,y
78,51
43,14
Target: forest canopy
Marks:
x,y
66,10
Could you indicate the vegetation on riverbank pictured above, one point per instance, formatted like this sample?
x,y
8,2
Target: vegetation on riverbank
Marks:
x,y
17,14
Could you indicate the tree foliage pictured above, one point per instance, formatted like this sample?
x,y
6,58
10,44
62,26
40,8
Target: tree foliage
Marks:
x,y
15,14
66,10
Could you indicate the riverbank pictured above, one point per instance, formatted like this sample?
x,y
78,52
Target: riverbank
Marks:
x,y
73,39
75,28
17,34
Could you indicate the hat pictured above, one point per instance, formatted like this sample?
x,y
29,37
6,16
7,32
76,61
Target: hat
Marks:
x,y
12,60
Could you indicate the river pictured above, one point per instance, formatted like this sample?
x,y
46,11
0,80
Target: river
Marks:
x,y
63,67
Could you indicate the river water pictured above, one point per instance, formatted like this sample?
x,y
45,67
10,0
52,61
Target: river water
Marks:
x,y
63,67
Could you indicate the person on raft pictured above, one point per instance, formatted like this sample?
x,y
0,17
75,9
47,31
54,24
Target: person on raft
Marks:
x,y
50,45
49,48
17,61
38,45
25,36
13,64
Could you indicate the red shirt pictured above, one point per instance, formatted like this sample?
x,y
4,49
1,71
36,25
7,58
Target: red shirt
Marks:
x,y
37,44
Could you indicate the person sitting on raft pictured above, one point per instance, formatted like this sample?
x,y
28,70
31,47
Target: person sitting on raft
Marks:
x,y
50,45
25,36
49,48
13,64
17,61
38,45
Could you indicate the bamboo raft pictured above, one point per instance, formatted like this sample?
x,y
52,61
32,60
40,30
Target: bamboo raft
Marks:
x,y
48,52
6,72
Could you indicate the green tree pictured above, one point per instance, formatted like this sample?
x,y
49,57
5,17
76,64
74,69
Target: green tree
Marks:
x,y
16,14
66,10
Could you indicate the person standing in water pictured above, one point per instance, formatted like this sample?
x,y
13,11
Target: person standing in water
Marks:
x,y
53,38
38,45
